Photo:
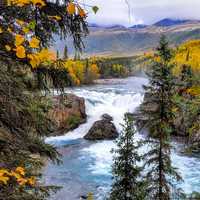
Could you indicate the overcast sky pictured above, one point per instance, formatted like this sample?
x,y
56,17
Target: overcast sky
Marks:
x,y
142,11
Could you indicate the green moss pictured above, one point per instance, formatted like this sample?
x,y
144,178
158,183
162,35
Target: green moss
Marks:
x,y
73,121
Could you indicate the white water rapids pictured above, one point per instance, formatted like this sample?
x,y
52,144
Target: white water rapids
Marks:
x,y
87,165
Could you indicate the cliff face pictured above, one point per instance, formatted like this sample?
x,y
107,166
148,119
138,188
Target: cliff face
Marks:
x,y
68,113
180,124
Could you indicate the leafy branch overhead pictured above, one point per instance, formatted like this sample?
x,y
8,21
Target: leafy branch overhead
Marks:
x,y
27,28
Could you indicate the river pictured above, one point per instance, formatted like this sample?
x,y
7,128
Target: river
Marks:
x,y
86,165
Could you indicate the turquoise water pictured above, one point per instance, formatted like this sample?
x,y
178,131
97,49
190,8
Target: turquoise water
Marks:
x,y
87,165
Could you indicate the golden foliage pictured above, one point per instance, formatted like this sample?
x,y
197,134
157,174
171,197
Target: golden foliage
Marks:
x,y
34,42
188,54
79,71
19,39
20,52
55,17
71,8
8,48
29,49
194,91
81,12
42,57
16,176
22,3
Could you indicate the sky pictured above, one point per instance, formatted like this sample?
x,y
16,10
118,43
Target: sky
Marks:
x,y
142,11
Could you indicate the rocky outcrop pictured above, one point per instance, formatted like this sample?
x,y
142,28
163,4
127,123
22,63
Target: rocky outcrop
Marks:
x,y
107,117
180,122
68,113
139,117
194,138
102,129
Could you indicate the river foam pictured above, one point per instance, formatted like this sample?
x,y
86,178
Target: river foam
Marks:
x,y
97,104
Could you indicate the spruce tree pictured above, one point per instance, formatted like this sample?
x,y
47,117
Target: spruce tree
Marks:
x,y
127,183
65,53
57,54
186,78
24,110
158,109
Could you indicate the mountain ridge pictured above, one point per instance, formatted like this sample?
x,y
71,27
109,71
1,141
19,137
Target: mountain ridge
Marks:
x,y
117,40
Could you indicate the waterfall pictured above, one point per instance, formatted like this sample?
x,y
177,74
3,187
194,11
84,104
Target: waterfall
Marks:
x,y
87,165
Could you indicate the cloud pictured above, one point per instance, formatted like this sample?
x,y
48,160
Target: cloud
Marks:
x,y
146,11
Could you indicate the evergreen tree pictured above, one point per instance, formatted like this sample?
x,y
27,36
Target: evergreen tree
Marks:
x,y
57,54
186,78
28,28
77,55
161,173
65,54
126,172
86,73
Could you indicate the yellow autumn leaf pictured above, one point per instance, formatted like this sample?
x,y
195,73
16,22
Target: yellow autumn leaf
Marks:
x,y
1,30
194,91
4,171
9,30
39,3
25,30
71,8
20,3
19,39
46,55
34,61
15,174
81,12
21,181
20,22
8,48
34,43
31,181
20,52
20,170
4,179
56,17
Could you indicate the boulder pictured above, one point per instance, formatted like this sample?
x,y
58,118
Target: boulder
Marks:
x,y
102,129
68,113
107,117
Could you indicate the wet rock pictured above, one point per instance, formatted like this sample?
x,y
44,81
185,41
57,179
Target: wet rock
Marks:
x,y
68,113
102,129
107,117
83,197
180,125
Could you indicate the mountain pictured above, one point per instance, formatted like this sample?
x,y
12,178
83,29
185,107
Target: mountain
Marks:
x,y
121,41
114,26
170,22
139,26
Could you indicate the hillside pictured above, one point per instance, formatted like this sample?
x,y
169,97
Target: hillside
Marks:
x,y
118,40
